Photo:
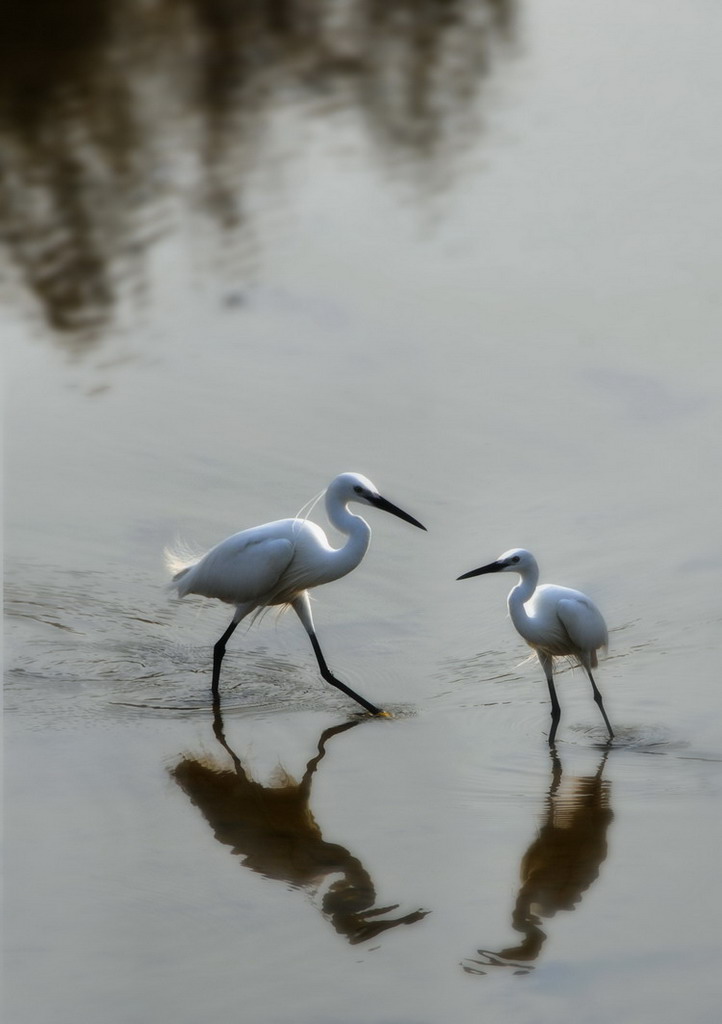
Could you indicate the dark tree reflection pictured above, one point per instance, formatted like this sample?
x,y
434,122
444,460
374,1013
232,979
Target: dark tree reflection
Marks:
x,y
559,866
116,116
273,831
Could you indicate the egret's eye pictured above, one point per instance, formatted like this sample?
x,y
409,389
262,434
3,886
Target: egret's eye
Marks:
x,y
515,558
358,489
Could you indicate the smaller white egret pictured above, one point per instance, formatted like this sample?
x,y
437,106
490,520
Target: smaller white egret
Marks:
x,y
554,621
277,563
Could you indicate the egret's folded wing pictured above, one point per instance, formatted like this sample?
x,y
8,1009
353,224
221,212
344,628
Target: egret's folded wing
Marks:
x,y
583,622
240,569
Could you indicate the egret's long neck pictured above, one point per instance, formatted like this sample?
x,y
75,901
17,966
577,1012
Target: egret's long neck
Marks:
x,y
358,532
520,594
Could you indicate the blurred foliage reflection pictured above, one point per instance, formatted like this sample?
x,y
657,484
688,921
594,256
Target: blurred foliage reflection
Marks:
x,y
116,117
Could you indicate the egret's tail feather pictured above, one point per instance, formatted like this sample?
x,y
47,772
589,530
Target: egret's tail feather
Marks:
x,y
179,559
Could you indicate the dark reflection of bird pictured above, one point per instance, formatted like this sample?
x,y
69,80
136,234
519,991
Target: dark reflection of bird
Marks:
x,y
273,830
99,98
559,866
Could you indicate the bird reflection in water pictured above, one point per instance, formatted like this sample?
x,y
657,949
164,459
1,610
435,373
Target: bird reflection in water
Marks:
x,y
273,830
559,866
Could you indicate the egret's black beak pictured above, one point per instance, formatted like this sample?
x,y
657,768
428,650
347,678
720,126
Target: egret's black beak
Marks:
x,y
386,506
491,567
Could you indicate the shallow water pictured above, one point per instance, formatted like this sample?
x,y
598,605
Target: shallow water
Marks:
x,y
475,257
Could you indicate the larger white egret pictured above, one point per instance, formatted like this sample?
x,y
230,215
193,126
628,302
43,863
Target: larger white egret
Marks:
x,y
554,621
277,563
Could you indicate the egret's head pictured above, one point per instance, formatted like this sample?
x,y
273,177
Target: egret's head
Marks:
x,y
356,487
515,560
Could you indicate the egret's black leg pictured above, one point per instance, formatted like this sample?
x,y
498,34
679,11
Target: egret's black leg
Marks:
x,y
218,651
546,664
556,711
600,702
302,607
327,675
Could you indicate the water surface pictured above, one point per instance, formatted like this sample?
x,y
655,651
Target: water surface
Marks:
x,y
470,250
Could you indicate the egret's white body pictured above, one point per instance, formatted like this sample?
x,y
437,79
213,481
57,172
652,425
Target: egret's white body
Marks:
x,y
555,621
273,563
277,563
